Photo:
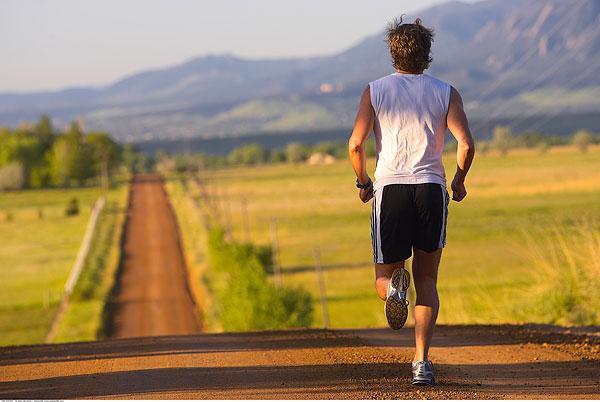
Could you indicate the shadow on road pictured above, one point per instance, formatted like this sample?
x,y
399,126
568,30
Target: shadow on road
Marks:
x,y
446,336
307,379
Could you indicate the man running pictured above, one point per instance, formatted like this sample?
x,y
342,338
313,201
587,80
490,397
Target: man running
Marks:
x,y
409,112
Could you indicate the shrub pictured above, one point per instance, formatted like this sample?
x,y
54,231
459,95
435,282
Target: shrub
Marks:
x,y
12,176
72,208
326,147
244,298
250,154
582,139
530,139
296,153
277,155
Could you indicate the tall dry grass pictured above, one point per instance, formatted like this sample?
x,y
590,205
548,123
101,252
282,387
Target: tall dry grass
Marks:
x,y
566,274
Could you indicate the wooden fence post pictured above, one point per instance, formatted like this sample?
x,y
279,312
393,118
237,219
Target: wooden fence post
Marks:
x,y
322,290
275,252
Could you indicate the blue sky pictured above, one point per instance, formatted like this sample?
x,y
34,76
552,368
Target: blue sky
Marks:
x,y
52,44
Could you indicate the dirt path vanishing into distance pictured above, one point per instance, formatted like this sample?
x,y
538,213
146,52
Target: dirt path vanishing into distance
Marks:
x,y
153,297
471,362
156,349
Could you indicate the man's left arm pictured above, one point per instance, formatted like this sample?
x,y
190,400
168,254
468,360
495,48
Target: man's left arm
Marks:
x,y
363,125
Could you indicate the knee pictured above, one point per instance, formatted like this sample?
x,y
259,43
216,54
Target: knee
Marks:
x,y
381,285
424,283
426,292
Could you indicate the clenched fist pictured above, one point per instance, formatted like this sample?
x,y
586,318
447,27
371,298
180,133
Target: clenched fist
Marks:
x,y
458,189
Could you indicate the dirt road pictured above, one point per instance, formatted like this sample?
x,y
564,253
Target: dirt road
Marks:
x,y
471,362
153,297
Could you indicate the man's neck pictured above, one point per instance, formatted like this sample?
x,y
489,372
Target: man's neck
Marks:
x,y
408,72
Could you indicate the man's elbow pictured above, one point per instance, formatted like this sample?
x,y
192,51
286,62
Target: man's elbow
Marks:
x,y
467,146
354,146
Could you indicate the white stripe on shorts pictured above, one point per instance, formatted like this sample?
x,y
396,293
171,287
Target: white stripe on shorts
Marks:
x,y
445,196
377,252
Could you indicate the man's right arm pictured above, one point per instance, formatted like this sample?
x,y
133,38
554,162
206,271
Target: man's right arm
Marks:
x,y
459,127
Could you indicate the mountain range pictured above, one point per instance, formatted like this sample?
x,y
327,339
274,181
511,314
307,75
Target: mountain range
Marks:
x,y
506,57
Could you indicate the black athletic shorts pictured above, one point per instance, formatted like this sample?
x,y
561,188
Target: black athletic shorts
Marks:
x,y
406,216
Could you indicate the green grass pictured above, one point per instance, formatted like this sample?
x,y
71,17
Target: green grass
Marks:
x,y
38,245
83,318
194,240
485,274
569,262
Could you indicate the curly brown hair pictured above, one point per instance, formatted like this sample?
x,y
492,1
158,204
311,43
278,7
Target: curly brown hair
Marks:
x,y
409,45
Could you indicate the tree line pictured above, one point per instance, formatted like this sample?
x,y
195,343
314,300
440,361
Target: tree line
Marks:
x,y
502,141
38,155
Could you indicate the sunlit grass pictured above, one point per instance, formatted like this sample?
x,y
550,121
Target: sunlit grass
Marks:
x,y
483,275
567,274
38,245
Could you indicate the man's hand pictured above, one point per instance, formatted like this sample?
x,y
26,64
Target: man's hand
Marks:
x,y
365,194
458,189
459,127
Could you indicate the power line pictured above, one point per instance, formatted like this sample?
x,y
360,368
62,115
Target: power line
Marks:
x,y
521,60
541,121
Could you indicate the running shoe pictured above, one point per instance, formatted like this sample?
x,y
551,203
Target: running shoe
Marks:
x,y
423,373
396,305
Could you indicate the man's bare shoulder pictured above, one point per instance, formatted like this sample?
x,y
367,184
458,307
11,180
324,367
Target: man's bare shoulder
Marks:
x,y
455,98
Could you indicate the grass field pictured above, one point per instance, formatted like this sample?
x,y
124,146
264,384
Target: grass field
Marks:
x,y
38,245
487,270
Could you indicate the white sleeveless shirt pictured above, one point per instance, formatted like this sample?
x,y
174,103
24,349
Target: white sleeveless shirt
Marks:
x,y
410,126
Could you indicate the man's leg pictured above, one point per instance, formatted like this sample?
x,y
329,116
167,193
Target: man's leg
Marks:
x,y
383,274
425,269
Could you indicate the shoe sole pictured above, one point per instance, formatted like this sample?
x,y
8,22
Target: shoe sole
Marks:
x,y
423,383
396,312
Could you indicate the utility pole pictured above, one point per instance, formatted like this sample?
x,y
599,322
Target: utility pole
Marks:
x,y
275,252
227,211
322,290
245,221
104,175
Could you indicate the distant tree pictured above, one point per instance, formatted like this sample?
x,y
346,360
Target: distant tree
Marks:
x,y
250,154
556,140
277,156
44,131
582,140
530,139
129,157
71,160
106,155
62,161
40,175
47,156
136,161
502,139
296,153
24,147
326,147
